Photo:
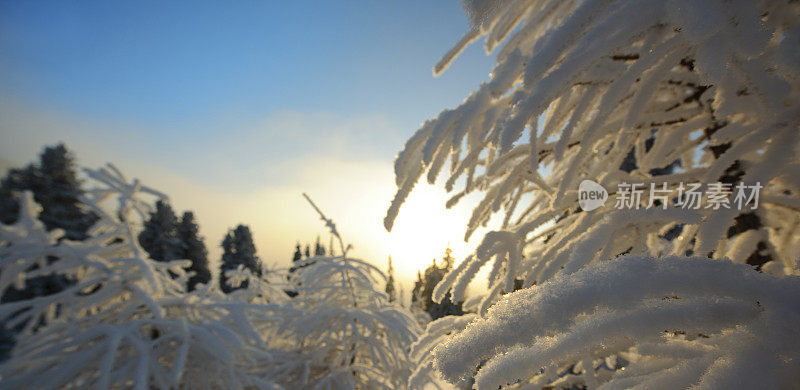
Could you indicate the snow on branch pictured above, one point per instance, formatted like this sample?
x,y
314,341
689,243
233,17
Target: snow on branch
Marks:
x,y
353,336
654,92
701,321
121,319
657,94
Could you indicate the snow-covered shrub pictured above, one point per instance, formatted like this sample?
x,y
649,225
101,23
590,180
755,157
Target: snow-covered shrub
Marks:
x,y
350,334
127,320
653,92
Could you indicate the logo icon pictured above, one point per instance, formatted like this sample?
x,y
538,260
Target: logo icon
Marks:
x,y
591,195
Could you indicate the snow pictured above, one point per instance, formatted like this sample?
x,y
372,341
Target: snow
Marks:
x,y
627,303
710,84
648,297
129,321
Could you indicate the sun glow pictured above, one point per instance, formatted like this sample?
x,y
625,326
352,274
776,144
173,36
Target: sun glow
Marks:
x,y
425,228
356,196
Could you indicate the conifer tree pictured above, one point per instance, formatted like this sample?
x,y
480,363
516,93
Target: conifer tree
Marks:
x,y
59,194
246,249
308,251
298,254
390,288
319,250
56,188
227,263
193,249
238,249
425,284
160,235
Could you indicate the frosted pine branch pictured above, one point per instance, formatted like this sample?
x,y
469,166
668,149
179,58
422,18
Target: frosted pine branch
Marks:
x,y
700,321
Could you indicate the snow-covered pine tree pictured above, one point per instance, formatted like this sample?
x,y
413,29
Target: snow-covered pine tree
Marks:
x,y
390,289
238,250
580,86
160,234
193,249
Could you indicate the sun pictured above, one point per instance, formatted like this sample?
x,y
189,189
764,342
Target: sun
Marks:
x,y
424,229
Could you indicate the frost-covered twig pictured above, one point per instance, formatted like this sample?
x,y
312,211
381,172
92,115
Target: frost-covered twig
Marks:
x,y
351,334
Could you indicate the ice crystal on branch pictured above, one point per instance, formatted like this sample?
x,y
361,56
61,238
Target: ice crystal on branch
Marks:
x,y
127,320
659,93
354,336
579,87
685,320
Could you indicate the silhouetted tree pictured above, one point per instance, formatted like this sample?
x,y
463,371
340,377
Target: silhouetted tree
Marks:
x,y
57,190
238,249
390,288
423,289
298,254
160,234
55,187
319,250
60,193
193,249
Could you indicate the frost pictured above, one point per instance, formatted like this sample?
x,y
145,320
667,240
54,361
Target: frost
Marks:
x,y
603,79
129,322
653,92
698,320
125,321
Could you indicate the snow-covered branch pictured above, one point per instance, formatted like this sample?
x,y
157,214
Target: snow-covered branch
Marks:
x,y
662,94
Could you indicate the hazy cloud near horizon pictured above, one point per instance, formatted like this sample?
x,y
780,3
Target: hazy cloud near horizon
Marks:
x,y
224,156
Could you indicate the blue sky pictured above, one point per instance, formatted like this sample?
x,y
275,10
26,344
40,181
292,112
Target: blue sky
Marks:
x,y
234,98
193,67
